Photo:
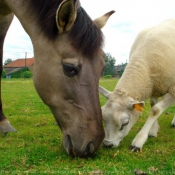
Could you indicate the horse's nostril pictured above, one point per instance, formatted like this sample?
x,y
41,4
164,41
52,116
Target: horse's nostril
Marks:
x,y
71,149
77,152
69,141
89,150
90,147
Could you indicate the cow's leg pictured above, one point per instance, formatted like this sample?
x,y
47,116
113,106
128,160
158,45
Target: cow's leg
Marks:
x,y
155,112
155,127
173,122
5,21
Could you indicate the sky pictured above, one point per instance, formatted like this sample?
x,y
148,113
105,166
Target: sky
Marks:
x,y
130,17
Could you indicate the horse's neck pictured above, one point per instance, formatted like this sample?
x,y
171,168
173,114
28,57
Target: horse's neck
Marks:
x,y
22,12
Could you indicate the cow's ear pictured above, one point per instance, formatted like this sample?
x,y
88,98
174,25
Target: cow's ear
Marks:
x,y
101,21
66,15
137,105
104,92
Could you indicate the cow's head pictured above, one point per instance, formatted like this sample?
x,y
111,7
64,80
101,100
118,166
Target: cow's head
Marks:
x,y
119,114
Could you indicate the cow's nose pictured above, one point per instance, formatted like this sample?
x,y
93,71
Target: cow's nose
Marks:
x,y
108,146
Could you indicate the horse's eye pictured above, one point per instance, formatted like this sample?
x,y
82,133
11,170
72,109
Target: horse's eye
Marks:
x,y
71,70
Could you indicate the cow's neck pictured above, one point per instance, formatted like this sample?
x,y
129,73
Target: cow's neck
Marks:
x,y
135,81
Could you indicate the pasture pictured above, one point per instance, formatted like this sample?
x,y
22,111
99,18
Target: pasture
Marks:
x,y
37,146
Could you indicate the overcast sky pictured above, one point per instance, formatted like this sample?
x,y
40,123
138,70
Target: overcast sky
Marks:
x,y
131,16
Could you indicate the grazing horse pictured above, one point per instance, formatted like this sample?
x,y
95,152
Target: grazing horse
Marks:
x,y
68,63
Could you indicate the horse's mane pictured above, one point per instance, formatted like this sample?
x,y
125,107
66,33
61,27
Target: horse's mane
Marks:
x,y
84,35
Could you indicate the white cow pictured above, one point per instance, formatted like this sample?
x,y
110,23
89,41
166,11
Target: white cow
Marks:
x,y
149,74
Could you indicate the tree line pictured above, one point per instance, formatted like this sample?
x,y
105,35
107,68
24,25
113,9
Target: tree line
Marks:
x,y
108,72
7,61
110,65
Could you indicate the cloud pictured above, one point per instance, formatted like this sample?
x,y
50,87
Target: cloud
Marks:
x,y
17,42
130,18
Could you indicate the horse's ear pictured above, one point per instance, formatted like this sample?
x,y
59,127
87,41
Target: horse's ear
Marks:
x,y
66,15
101,21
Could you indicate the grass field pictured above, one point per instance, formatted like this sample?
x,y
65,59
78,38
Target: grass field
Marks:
x,y
37,146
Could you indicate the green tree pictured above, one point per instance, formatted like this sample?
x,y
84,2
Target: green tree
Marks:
x,y
27,74
7,61
110,65
3,73
123,68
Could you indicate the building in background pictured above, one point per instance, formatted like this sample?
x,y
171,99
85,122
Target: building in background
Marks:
x,y
16,68
119,69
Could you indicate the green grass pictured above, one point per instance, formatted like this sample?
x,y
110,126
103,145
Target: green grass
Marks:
x,y
37,146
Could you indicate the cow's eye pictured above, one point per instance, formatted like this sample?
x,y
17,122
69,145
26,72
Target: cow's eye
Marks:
x,y
71,70
124,124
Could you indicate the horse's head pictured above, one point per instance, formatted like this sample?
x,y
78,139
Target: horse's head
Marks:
x,y
66,75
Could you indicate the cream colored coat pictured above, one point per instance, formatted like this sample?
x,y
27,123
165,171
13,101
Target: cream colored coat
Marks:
x,y
149,74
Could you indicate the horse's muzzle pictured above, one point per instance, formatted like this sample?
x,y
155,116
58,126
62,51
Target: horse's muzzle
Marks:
x,y
88,151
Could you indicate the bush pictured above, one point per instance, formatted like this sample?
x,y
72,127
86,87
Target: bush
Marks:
x,y
27,74
3,73
107,76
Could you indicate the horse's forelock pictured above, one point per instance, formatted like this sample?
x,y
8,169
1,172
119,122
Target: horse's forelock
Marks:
x,y
84,35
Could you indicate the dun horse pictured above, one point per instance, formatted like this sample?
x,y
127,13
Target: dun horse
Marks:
x,y
68,64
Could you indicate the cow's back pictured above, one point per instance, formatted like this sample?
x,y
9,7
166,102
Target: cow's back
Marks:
x,y
152,61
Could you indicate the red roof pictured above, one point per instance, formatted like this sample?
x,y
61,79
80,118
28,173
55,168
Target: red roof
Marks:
x,y
20,63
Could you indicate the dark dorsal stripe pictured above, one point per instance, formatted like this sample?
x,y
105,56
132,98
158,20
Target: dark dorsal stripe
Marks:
x,y
84,35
